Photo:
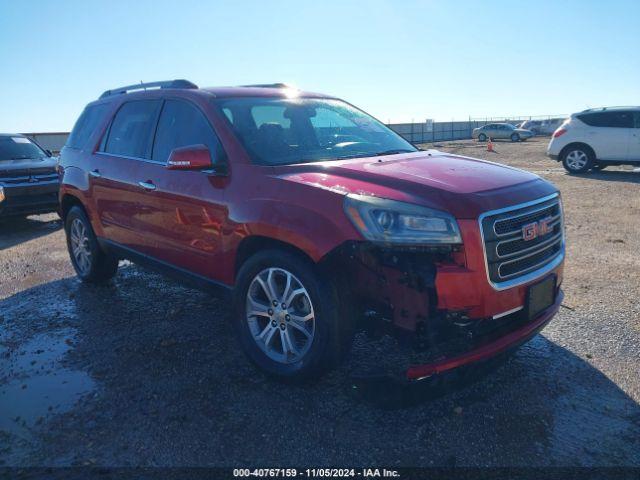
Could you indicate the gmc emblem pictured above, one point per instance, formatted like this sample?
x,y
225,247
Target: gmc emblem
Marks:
x,y
531,231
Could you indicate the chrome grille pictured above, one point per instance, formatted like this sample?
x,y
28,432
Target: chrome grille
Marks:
x,y
24,179
511,258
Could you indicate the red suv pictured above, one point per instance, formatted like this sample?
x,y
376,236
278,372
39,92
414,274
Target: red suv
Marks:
x,y
318,219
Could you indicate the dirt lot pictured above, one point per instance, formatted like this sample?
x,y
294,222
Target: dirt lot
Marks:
x,y
146,372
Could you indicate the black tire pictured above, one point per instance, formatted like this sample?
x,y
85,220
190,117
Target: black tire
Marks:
x,y
515,137
580,151
482,137
332,337
101,266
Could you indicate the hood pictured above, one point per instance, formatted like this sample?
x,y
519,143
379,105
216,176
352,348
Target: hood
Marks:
x,y
28,166
460,185
523,130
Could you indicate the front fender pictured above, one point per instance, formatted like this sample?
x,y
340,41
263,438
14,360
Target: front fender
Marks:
x,y
316,228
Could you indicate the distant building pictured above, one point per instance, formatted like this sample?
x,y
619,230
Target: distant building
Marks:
x,y
53,141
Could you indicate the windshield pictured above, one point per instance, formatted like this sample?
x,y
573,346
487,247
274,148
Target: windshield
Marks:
x,y
19,148
279,131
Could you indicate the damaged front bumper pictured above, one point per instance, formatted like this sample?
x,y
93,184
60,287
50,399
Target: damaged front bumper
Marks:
x,y
438,303
485,348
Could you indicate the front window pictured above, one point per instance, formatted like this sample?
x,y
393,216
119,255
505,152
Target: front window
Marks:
x,y
280,131
19,148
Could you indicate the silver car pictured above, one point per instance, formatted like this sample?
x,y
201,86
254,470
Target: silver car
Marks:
x,y
501,130
542,127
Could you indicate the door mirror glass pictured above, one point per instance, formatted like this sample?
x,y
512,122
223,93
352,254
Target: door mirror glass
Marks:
x,y
192,157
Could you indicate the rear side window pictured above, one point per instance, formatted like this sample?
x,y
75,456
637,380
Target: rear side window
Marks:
x,y
182,124
86,125
132,128
608,119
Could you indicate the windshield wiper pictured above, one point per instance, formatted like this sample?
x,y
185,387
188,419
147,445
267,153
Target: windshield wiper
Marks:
x,y
350,157
392,152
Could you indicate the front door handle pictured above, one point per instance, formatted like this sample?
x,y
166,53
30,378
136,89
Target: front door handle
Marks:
x,y
148,186
95,173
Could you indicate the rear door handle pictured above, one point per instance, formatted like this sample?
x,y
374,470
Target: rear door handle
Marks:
x,y
148,186
95,173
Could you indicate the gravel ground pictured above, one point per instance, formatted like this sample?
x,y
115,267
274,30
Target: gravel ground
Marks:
x,y
146,372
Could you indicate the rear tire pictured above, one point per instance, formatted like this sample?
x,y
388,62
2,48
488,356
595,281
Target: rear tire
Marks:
x,y
577,159
289,337
91,264
482,137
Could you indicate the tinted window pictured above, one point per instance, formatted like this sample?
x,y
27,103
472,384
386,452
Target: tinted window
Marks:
x,y
18,148
637,119
278,131
132,127
182,124
86,125
608,119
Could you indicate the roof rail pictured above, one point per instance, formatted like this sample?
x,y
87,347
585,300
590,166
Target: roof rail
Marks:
x,y
617,107
180,83
269,85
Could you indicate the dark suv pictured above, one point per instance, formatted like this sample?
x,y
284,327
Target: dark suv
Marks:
x,y
28,177
319,219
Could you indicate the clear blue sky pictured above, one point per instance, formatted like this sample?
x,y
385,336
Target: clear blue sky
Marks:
x,y
399,60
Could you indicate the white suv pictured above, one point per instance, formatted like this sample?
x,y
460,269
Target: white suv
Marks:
x,y
596,138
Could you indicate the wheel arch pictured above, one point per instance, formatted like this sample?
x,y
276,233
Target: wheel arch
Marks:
x,y
253,244
69,201
566,148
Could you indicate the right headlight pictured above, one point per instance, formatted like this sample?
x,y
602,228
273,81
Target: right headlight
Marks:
x,y
392,222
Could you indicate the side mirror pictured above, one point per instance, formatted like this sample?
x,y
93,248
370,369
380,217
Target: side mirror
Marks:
x,y
192,157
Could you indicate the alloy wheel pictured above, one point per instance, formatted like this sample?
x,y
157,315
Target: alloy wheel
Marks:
x,y
80,246
280,315
577,160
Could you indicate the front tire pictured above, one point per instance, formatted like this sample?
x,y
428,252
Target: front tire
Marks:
x,y
286,316
91,264
482,137
515,137
577,159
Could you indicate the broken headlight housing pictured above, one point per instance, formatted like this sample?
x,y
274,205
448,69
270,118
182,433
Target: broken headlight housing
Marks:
x,y
387,221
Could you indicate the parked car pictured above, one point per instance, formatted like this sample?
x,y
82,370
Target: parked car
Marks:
x,y
28,178
317,218
596,138
542,127
501,131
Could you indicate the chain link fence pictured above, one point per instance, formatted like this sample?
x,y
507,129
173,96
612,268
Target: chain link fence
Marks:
x,y
425,132
429,132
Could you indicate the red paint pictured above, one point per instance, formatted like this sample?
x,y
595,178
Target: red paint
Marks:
x,y
195,157
197,221
488,350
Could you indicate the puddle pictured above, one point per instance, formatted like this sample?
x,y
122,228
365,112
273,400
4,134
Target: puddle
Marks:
x,y
36,385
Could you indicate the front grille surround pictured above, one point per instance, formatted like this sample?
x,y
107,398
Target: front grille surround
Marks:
x,y
509,259
28,179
